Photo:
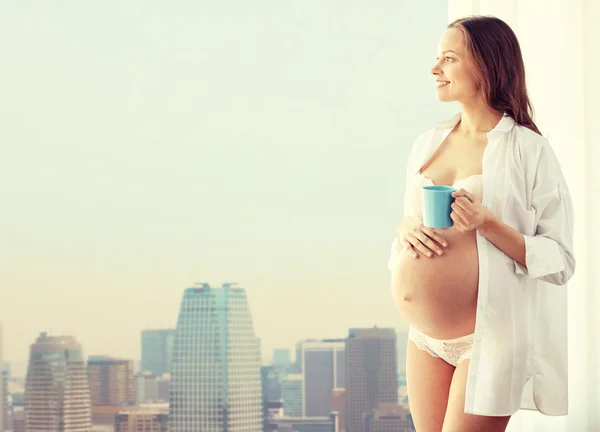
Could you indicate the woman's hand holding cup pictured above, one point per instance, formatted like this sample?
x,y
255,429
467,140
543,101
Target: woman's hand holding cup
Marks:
x,y
418,239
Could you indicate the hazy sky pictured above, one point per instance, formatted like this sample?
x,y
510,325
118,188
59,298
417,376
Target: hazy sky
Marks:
x,y
147,145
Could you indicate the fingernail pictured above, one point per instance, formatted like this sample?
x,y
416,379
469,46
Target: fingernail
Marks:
x,y
439,251
445,244
428,254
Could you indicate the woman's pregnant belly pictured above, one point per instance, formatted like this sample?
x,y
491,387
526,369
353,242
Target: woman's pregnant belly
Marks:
x,y
438,295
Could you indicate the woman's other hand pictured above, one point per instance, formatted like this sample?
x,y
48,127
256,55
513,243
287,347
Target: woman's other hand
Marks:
x,y
418,239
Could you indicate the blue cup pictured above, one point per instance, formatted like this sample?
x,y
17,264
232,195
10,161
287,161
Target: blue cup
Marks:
x,y
436,202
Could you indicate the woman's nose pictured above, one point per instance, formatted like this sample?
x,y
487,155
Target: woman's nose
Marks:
x,y
435,69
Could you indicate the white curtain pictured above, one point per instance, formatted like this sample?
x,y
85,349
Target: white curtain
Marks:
x,y
560,40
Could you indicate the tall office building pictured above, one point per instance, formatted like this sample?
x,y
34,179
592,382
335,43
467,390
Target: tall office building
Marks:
x,y
110,380
111,387
372,373
324,368
157,350
298,359
216,383
57,396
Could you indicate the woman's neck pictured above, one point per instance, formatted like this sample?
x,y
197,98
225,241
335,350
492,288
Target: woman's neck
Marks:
x,y
477,119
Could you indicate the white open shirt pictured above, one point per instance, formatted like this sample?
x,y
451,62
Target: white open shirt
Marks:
x,y
521,326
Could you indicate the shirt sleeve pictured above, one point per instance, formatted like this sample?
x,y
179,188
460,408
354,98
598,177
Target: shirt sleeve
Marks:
x,y
410,171
549,253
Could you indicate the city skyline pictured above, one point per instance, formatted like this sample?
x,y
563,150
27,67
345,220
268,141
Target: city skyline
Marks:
x,y
206,313
19,369
159,157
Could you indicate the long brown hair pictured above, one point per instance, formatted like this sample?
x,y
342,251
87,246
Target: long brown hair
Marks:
x,y
500,70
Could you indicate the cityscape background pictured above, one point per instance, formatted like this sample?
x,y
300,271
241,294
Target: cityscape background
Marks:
x,y
206,375
148,147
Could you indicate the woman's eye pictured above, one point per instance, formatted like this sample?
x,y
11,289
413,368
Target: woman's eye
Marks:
x,y
449,59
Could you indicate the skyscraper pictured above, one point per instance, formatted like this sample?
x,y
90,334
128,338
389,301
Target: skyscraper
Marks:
x,y
372,374
216,383
298,359
324,368
110,380
157,350
111,386
57,396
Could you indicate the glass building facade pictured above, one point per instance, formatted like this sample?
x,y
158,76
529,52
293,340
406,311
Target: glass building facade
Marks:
x,y
216,381
157,350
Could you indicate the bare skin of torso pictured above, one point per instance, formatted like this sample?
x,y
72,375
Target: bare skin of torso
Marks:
x,y
438,295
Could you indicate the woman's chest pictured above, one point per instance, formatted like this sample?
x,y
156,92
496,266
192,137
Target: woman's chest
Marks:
x,y
457,157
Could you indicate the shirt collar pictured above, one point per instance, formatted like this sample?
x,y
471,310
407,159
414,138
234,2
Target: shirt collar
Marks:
x,y
505,124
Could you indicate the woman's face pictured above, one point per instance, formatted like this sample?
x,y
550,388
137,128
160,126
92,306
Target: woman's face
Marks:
x,y
454,71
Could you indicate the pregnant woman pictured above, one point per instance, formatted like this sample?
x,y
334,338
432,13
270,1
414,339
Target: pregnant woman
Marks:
x,y
485,299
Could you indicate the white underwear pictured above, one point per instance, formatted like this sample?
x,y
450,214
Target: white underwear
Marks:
x,y
452,351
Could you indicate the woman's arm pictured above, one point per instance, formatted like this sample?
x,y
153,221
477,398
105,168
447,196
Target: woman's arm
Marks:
x,y
548,253
504,237
468,214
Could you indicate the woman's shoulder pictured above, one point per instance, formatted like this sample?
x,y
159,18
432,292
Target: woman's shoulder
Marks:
x,y
529,140
534,150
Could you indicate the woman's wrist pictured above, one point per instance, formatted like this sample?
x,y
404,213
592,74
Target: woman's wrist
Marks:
x,y
400,233
505,238
490,223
